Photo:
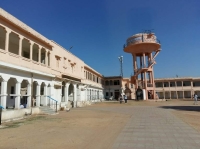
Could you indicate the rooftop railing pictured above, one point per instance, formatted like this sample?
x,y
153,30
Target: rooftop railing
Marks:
x,y
133,41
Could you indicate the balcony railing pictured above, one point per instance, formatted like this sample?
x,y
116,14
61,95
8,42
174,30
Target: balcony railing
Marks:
x,y
132,41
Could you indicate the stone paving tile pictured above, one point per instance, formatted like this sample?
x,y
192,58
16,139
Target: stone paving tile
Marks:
x,y
156,128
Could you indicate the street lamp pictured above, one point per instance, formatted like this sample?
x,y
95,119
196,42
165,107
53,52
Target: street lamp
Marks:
x,y
121,69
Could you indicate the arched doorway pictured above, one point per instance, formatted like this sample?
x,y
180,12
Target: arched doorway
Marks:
x,y
24,93
71,93
11,91
63,92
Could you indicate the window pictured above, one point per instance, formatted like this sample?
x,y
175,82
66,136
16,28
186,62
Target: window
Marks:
x,y
131,85
116,82
106,93
166,84
64,62
57,62
107,82
25,54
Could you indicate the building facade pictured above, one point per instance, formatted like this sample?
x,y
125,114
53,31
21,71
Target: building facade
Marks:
x,y
177,88
36,72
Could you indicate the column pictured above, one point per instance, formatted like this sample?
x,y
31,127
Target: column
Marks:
x,y
134,63
154,93
39,54
20,45
182,90
169,91
8,31
191,88
18,95
176,90
4,93
31,50
163,90
144,60
145,79
29,95
45,95
49,59
75,95
66,92
51,94
85,94
38,95
46,57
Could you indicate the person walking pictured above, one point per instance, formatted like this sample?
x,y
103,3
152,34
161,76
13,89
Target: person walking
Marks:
x,y
195,99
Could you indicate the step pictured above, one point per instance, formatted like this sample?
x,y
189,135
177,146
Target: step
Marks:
x,y
48,110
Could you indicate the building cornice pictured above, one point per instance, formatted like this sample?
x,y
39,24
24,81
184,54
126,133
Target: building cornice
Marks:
x,y
177,78
3,64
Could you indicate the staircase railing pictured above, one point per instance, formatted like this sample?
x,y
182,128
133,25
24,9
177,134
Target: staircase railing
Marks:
x,y
1,107
50,98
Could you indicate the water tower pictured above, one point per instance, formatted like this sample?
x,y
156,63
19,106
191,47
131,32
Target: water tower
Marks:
x,y
144,48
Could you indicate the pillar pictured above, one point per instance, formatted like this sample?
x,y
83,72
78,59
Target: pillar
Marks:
x,y
182,90
49,59
38,95
8,31
20,45
191,89
18,95
169,90
51,91
134,63
153,83
75,95
45,95
66,92
4,93
145,81
85,94
144,60
163,90
176,90
46,57
31,50
29,95
39,54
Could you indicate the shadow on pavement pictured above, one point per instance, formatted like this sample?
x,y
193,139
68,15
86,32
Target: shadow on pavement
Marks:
x,y
183,108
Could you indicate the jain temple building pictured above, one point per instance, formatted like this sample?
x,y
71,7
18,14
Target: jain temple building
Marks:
x,y
37,75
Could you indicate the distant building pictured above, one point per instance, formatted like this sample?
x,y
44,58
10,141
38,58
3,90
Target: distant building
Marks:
x,y
177,88
116,86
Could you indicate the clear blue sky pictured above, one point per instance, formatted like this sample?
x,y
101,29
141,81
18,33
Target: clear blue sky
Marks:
x,y
97,30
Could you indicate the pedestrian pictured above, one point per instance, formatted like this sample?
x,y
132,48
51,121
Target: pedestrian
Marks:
x,y
195,99
125,98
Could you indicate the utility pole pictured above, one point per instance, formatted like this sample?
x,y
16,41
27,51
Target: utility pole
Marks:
x,y
121,68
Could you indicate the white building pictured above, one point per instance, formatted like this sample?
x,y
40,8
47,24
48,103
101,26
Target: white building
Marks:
x,y
36,72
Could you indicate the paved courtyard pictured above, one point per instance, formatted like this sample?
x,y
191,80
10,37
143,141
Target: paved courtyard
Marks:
x,y
110,125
